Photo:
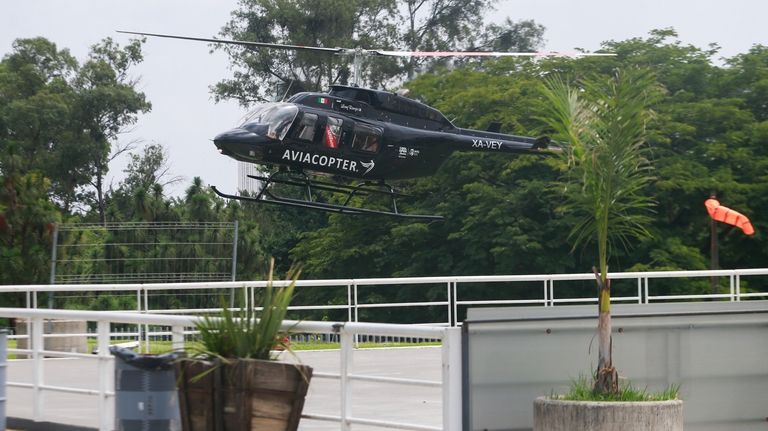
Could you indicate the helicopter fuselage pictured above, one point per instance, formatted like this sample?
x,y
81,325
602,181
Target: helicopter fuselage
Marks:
x,y
358,133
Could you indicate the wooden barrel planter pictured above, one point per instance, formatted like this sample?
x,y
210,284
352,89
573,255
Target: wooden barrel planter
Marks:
x,y
244,395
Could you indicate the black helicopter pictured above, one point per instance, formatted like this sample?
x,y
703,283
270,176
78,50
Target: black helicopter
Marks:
x,y
368,135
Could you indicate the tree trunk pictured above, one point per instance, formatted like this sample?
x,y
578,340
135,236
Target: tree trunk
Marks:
x,y
606,378
100,198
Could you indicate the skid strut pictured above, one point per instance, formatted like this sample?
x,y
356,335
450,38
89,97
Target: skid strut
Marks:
x,y
309,186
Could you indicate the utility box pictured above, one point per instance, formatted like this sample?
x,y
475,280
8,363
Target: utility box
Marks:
x,y
145,392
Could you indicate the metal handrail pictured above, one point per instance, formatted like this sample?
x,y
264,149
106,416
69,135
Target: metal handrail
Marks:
x,y
381,281
455,295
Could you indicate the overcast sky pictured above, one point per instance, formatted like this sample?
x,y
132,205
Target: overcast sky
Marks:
x,y
176,75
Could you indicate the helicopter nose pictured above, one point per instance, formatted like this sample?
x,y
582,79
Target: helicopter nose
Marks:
x,y
236,136
240,144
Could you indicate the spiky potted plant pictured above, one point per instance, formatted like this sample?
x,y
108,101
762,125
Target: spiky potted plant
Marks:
x,y
232,382
602,122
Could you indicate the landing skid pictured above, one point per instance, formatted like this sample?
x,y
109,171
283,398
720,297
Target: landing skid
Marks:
x,y
310,201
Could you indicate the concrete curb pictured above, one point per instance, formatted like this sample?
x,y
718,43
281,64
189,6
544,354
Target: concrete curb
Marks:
x,y
30,425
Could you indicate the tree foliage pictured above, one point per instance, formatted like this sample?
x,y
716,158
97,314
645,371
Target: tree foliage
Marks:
x,y
58,119
709,134
261,74
500,216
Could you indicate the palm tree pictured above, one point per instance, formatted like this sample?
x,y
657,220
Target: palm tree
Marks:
x,y
603,121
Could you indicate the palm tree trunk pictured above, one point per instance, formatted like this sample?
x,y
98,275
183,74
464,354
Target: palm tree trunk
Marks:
x,y
606,379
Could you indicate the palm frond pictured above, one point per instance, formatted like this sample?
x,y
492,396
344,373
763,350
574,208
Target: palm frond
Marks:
x,y
603,123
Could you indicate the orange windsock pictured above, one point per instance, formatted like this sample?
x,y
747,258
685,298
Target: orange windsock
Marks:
x,y
729,216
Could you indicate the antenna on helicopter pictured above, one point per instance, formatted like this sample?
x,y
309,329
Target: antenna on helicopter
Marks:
x,y
287,90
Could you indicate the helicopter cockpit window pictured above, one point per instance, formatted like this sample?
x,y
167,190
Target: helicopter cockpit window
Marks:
x,y
306,129
366,138
332,133
276,116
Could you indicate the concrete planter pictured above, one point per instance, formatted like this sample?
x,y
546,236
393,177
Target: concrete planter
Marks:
x,y
556,415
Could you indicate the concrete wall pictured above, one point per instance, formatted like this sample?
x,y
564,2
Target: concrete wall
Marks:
x,y
717,352
73,343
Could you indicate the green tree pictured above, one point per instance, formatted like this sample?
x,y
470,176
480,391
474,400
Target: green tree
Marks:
x,y
35,116
499,218
604,123
140,195
151,167
46,157
26,222
107,102
326,23
369,24
60,118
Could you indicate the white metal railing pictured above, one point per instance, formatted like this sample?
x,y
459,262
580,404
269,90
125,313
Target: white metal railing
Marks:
x,y
451,361
455,291
456,295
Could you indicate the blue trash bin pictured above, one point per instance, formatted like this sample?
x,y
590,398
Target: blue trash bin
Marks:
x,y
145,392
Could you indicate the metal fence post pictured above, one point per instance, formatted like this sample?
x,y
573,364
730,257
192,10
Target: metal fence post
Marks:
x,y
357,311
552,292
234,252
450,304
349,303
177,337
105,424
144,331
733,287
347,345
451,371
54,246
38,345
234,266
3,376
645,282
354,301
456,302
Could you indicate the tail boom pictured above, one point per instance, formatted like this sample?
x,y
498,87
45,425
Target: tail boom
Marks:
x,y
476,140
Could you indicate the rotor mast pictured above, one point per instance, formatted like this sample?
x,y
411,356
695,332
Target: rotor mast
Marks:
x,y
357,65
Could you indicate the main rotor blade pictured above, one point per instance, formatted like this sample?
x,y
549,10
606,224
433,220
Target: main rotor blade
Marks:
x,y
359,51
488,54
243,43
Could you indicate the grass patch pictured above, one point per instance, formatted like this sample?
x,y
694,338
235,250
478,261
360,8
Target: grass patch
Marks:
x,y
160,347
581,390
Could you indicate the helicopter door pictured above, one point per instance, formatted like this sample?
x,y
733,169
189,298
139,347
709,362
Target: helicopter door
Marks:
x,y
332,133
367,138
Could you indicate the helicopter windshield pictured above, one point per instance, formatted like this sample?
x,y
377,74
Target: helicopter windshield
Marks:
x,y
276,116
